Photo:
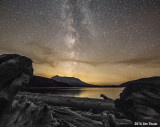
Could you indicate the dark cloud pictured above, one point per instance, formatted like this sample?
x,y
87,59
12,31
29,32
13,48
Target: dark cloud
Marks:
x,y
45,55
39,53
152,61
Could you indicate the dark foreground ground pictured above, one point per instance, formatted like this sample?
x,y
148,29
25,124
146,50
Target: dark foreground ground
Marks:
x,y
138,105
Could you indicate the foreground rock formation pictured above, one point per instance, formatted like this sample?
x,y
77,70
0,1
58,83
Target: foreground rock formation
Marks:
x,y
138,102
15,72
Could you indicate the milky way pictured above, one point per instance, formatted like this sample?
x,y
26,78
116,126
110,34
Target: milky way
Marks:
x,y
98,41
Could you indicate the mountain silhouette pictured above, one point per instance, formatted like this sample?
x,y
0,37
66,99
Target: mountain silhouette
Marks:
x,y
150,81
71,81
38,81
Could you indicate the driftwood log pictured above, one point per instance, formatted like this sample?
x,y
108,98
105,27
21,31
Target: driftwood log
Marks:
x,y
25,113
15,73
110,120
140,100
80,103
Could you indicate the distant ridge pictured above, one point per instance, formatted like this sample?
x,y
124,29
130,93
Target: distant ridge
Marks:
x,y
71,81
150,81
61,81
38,81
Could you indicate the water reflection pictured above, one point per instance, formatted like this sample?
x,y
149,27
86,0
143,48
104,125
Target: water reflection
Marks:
x,y
80,92
95,92
63,91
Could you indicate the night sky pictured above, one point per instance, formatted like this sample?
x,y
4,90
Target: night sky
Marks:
x,y
98,41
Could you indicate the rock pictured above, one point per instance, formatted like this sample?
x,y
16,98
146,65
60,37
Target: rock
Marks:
x,y
140,100
15,73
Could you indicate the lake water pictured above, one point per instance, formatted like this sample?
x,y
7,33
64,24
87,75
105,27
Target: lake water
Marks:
x,y
81,92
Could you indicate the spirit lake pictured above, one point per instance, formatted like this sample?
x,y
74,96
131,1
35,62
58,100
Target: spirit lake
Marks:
x,y
90,92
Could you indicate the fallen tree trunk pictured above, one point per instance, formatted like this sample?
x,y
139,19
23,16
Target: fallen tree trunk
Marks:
x,y
80,103
29,114
90,115
75,119
109,120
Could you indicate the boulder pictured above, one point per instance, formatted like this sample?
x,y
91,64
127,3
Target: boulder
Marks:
x,y
140,100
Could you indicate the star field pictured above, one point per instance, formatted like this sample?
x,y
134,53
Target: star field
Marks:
x,y
98,41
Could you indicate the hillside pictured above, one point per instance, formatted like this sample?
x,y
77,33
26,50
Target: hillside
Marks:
x,y
72,81
38,81
150,81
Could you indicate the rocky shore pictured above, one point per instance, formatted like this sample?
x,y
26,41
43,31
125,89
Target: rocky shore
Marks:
x,y
138,103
